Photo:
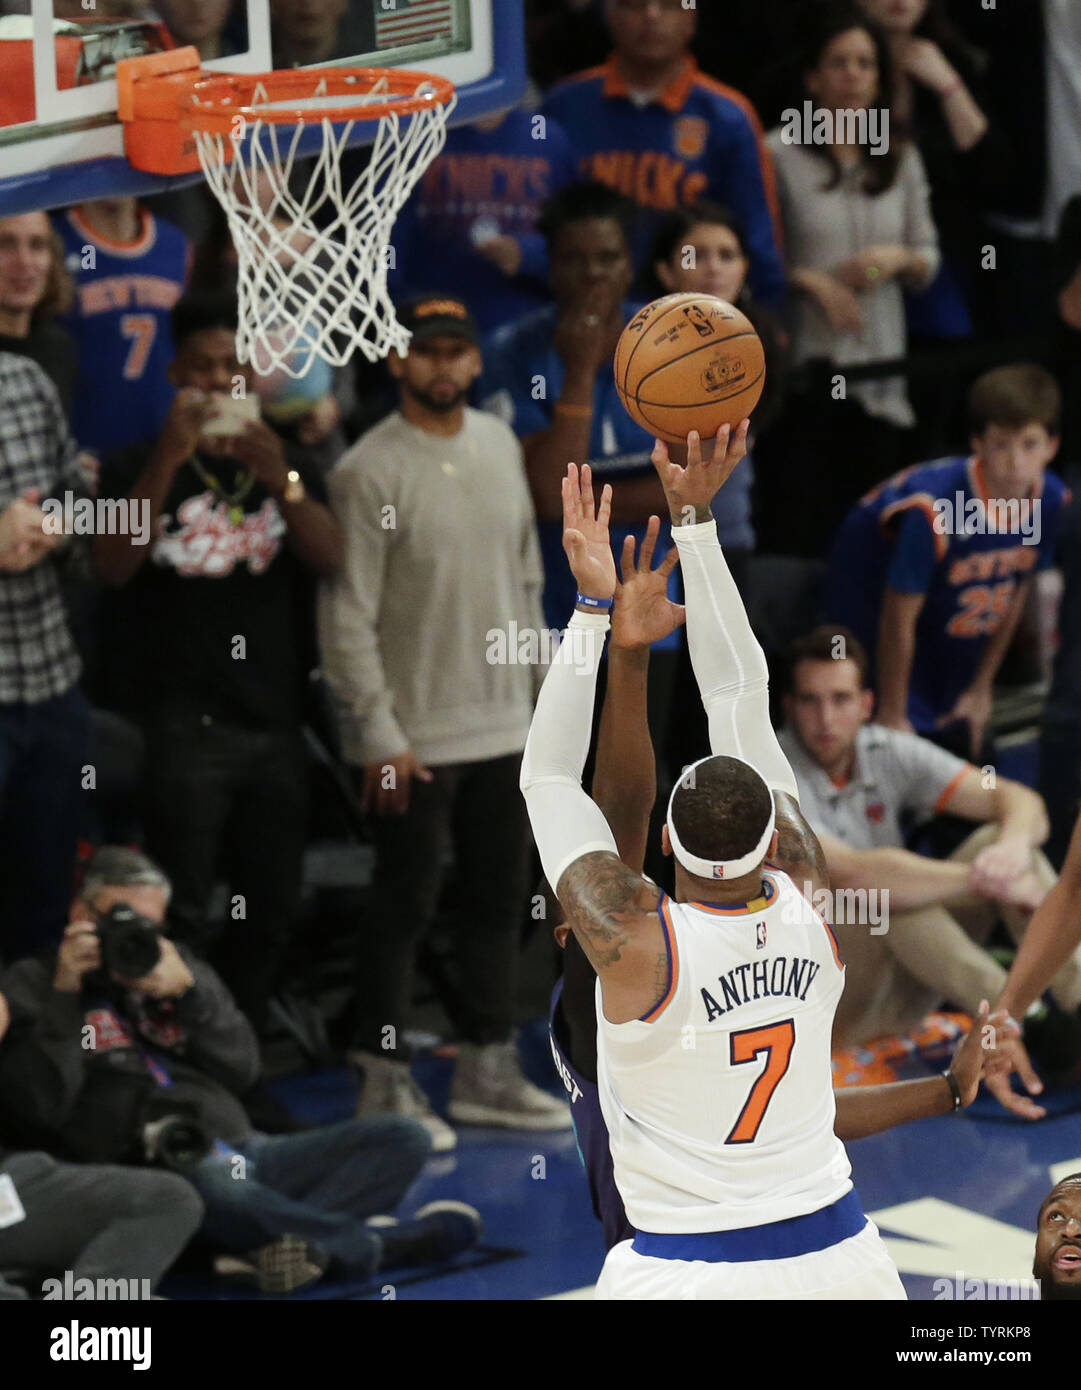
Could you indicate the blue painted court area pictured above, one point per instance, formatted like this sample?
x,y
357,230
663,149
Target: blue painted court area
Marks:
x,y
953,1196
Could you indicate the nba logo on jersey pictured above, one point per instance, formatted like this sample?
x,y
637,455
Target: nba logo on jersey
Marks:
x,y
760,936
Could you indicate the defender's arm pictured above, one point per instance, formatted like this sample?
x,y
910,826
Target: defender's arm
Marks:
x,y
608,906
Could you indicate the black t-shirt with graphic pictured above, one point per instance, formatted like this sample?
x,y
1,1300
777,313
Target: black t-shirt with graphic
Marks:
x,y
220,614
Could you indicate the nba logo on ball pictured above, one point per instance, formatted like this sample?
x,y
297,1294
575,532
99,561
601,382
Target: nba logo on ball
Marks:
x,y
689,362
699,320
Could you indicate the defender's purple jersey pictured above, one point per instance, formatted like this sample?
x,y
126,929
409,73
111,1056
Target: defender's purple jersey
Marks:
x,y
591,1133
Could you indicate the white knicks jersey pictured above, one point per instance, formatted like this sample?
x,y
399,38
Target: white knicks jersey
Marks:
x,y
719,1102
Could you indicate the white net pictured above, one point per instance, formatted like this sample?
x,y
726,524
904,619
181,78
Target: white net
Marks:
x,y
313,255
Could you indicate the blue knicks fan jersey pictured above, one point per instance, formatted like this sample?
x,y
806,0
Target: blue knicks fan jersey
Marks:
x,y
489,182
523,378
930,530
124,293
695,139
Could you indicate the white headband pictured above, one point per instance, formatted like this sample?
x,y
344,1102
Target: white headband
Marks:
x,y
718,868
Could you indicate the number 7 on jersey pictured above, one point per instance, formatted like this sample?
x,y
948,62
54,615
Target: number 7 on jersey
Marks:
x,y
775,1040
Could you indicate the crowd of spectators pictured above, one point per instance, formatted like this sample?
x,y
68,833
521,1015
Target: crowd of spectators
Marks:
x,y
262,567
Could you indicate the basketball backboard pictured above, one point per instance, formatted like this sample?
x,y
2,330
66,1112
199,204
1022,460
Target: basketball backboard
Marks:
x,y
61,141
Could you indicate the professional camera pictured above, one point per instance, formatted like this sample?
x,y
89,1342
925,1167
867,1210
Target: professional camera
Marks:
x,y
171,1135
130,946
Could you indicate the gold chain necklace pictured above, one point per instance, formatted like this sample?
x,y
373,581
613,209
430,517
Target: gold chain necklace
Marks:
x,y
232,499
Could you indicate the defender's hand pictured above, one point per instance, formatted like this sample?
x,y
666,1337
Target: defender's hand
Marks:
x,y
1008,1057
690,488
585,533
644,614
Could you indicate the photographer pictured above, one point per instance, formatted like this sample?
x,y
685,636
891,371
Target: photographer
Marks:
x,y
126,1048
95,1221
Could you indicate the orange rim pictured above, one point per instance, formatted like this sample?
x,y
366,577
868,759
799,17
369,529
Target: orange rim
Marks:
x,y
164,98
218,99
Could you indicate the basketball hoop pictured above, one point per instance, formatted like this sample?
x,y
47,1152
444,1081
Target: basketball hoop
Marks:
x,y
312,255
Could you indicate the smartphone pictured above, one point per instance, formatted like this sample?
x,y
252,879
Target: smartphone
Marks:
x,y
231,414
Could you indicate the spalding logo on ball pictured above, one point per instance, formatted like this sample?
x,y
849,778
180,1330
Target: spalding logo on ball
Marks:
x,y
689,362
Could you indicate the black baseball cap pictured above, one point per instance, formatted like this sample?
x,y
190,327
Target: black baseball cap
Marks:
x,y
436,316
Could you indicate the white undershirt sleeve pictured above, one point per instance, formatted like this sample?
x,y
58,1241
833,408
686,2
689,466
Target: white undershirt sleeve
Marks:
x,y
566,822
728,662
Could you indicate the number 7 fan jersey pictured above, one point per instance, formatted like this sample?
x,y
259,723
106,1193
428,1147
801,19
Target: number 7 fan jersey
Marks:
x,y
719,1102
124,294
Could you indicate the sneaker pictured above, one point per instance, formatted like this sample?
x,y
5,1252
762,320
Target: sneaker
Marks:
x,y
388,1088
435,1233
283,1266
490,1089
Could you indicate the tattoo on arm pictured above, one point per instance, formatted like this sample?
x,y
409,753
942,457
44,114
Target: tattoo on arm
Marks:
x,y
605,903
798,852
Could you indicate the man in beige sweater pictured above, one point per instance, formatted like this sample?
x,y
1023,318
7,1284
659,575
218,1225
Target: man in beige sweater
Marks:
x,y
425,644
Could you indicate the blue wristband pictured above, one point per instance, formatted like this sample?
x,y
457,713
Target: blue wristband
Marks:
x,y
595,605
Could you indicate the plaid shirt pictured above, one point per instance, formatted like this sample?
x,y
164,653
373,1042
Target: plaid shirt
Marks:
x,y
38,660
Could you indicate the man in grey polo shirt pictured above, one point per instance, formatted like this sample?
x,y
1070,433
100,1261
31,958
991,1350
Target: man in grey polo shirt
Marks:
x,y
862,786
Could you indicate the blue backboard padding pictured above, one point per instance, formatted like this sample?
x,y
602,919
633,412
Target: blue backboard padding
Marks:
x,y
114,177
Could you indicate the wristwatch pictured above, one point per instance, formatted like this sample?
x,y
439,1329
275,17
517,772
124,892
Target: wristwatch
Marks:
x,y
294,487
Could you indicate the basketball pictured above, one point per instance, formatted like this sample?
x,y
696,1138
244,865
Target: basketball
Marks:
x,y
689,362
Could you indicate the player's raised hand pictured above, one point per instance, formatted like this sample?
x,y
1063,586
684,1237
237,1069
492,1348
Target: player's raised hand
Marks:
x,y
644,614
585,533
970,1058
691,487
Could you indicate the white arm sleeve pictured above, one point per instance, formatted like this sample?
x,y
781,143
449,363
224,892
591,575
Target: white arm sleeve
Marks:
x,y
729,665
566,822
